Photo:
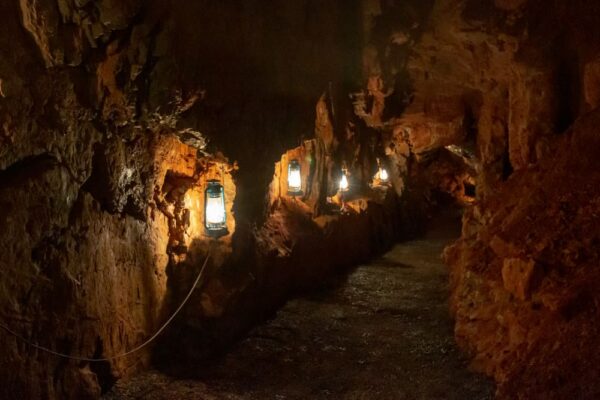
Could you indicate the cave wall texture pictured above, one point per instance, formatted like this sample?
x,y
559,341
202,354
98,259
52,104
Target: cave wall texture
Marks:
x,y
512,88
512,85
114,114
107,108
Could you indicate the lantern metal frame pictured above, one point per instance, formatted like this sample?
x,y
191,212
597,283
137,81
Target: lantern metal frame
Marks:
x,y
342,176
214,189
294,165
379,175
377,179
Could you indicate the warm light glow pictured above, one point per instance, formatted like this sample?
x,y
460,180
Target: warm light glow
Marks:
x,y
215,213
294,177
383,175
344,183
193,203
214,206
294,180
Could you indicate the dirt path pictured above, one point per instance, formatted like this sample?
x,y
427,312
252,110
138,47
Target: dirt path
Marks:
x,y
383,333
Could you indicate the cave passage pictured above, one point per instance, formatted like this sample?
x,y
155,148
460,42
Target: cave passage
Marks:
x,y
382,332
230,199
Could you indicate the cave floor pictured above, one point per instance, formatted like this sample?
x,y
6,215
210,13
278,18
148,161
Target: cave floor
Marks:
x,y
383,332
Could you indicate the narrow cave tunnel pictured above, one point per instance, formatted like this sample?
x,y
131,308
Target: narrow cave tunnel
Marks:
x,y
299,199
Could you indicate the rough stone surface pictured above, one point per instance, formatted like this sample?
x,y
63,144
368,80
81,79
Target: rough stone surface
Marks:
x,y
521,280
517,276
500,82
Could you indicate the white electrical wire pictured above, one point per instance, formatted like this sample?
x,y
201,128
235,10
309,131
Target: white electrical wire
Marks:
x,y
147,342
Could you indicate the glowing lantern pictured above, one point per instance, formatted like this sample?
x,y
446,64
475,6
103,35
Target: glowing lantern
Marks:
x,y
294,178
383,175
214,204
344,182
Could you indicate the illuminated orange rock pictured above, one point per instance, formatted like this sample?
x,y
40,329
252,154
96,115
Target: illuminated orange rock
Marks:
x,y
517,275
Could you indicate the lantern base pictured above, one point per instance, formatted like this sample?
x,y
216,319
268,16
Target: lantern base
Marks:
x,y
216,232
295,193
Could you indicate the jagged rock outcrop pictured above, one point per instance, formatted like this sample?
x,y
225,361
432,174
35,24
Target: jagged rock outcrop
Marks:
x,y
500,81
84,275
524,271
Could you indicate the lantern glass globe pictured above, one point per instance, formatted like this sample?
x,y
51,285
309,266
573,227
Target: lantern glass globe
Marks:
x,y
214,207
294,178
344,185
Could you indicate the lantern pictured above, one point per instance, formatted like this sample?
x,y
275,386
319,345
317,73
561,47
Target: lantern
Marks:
x,y
344,182
214,207
294,178
383,175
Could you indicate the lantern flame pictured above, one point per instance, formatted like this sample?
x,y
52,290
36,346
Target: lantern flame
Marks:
x,y
294,177
344,183
215,210
294,180
383,175
214,207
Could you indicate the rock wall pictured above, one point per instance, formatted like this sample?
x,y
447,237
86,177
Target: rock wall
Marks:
x,y
79,279
523,273
509,87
